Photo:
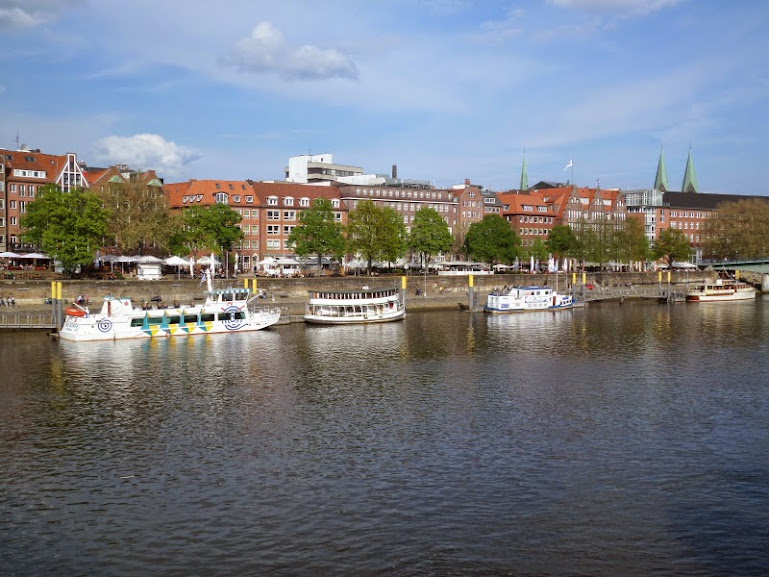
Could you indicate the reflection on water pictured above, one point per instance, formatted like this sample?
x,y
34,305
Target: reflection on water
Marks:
x,y
612,440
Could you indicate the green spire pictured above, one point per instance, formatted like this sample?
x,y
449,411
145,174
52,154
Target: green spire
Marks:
x,y
690,176
524,173
661,182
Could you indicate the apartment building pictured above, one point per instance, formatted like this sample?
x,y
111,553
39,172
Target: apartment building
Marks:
x,y
22,173
269,210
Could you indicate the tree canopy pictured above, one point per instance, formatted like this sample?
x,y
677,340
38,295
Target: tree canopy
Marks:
x,y
738,230
376,233
69,226
208,228
430,234
492,240
673,245
318,232
138,215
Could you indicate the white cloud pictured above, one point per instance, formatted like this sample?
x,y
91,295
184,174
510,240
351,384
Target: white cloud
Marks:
x,y
266,51
145,151
23,14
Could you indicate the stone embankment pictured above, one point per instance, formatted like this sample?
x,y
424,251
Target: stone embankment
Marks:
x,y
438,292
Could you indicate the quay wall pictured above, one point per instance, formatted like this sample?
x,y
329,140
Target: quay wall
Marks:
x,y
285,290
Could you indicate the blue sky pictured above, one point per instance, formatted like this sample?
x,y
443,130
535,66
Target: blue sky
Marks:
x,y
446,89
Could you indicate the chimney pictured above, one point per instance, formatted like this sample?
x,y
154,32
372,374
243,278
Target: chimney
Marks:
x,y
395,171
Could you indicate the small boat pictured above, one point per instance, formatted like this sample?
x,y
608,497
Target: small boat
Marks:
x,y
343,307
224,311
522,299
720,290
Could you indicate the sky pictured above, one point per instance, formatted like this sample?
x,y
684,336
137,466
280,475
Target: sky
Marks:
x,y
447,90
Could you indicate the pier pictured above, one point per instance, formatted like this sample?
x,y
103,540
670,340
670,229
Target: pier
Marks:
x,y
27,320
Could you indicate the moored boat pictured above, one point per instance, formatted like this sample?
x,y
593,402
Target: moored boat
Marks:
x,y
367,305
224,311
521,299
720,290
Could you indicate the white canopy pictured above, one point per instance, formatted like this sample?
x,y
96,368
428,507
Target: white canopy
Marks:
x,y
149,259
207,260
33,255
9,255
266,261
176,261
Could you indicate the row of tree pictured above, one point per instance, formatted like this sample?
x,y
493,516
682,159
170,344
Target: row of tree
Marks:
x,y
72,226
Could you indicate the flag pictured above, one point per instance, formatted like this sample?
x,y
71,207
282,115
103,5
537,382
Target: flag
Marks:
x,y
571,163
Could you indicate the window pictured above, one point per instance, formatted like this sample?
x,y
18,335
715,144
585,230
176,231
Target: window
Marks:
x,y
288,201
236,198
289,215
222,198
246,229
13,221
304,201
12,204
273,244
287,229
273,229
335,203
273,215
272,200
246,213
250,199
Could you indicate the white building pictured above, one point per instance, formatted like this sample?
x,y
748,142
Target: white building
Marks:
x,y
318,169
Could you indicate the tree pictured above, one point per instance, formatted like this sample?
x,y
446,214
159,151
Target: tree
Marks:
x,y
738,230
318,232
138,215
673,245
393,235
208,227
561,241
430,234
69,226
492,240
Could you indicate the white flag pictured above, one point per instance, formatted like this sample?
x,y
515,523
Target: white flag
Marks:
x,y
568,166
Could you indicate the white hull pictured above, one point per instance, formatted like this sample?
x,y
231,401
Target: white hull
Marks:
x,y
225,311
354,307
721,291
526,300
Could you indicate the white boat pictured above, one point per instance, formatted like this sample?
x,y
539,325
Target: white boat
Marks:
x,y
226,310
522,299
720,290
343,307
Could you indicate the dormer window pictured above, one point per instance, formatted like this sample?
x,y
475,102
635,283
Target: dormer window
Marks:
x,y
335,202
250,199
272,200
222,198
236,198
304,201
199,198
288,201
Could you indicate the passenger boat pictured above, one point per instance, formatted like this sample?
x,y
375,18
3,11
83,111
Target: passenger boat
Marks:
x,y
522,299
343,307
720,290
226,310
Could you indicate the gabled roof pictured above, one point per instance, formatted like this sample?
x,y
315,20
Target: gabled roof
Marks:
x,y
283,189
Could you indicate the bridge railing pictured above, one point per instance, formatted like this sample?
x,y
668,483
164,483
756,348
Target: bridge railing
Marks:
x,y
26,321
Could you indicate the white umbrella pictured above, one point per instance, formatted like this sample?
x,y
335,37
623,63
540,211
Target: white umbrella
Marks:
x,y
9,255
176,261
208,260
266,260
34,255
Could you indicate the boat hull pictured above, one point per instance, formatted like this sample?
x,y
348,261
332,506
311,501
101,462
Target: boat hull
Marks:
x,y
355,319
738,296
93,328
518,310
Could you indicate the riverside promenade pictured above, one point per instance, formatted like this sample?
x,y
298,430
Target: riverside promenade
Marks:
x,y
437,292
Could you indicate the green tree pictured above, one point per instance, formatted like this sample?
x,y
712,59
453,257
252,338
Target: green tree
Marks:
x,y
393,235
138,215
208,228
673,245
318,232
430,234
738,230
561,241
492,240
69,226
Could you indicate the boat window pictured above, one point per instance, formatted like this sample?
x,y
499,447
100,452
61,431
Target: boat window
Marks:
x,y
137,322
173,320
207,318
190,318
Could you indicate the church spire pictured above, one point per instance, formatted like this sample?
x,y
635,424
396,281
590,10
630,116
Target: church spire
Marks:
x,y
690,176
661,182
524,174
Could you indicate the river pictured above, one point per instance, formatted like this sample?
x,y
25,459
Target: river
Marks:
x,y
614,440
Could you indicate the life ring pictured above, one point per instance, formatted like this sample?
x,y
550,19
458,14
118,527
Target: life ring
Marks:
x,y
74,312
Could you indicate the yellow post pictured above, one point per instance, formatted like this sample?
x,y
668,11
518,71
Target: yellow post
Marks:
x,y
404,282
53,289
584,278
737,275
659,276
668,277
253,284
574,279
58,290
245,283
472,280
